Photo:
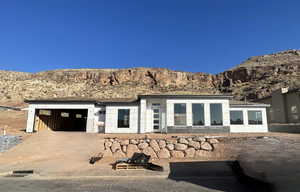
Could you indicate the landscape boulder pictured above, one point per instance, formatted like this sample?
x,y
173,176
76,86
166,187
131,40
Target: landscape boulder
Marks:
x,y
107,144
177,154
189,139
125,142
143,145
182,141
154,145
180,147
115,146
170,146
133,141
195,144
190,152
203,154
164,154
213,141
206,146
124,148
162,144
149,151
199,139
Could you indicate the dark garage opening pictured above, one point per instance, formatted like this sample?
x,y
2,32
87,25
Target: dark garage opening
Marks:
x,y
61,119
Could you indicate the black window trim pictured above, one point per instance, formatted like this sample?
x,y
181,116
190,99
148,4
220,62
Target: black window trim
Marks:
x,y
262,120
221,113
185,114
203,116
118,119
238,110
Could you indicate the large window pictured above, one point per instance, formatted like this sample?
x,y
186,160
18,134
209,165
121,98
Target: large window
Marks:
x,y
44,112
254,117
198,114
236,118
123,118
216,114
180,114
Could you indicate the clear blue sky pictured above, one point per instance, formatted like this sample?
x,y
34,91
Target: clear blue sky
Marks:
x,y
189,35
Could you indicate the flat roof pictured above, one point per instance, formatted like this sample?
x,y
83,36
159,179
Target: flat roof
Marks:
x,y
104,101
120,100
80,100
184,96
247,103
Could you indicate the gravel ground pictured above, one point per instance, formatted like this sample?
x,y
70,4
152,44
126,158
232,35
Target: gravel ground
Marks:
x,y
8,141
274,160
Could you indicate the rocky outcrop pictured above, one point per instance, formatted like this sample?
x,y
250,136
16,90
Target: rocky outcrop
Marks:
x,y
255,78
259,76
101,83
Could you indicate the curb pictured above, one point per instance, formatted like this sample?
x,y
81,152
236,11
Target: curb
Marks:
x,y
65,177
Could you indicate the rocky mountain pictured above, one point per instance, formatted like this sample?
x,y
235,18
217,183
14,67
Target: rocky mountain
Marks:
x,y
259,76
255,78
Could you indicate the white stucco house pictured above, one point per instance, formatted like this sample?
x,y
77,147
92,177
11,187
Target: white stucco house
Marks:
x,y
148,114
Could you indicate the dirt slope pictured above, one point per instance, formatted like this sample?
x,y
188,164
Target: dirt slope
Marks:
x,y
53,152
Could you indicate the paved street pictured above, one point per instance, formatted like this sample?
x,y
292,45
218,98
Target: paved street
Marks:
x,y
121,185
180,176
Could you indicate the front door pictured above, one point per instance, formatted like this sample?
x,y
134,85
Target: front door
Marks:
x,y
156,118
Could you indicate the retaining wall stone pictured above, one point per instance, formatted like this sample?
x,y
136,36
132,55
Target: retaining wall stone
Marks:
x,y
179,147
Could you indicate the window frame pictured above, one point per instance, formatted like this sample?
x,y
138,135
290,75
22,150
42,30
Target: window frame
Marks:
x,y
65,114
176,125
210,112
203,104
118,125
255,123
243,122
44,112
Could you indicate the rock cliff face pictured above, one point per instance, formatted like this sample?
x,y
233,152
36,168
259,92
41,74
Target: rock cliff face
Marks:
x,y
257,77
260,75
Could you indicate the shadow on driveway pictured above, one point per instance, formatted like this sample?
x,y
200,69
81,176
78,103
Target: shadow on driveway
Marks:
x,y
216,175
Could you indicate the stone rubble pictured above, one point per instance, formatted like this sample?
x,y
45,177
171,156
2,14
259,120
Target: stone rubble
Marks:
x,y
8,141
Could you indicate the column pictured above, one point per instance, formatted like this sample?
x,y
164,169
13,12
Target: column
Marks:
x,y
90,121
30,119
143,116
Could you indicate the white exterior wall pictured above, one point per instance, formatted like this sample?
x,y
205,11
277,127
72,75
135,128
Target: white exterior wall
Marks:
x,y
111,119
90,116
189,115
246,127
143,116
99,120
30,119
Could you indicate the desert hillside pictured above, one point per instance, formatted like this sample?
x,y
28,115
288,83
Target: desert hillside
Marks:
x,y
254,78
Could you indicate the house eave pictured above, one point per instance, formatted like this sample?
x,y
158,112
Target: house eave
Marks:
x,y
185,96
245,105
